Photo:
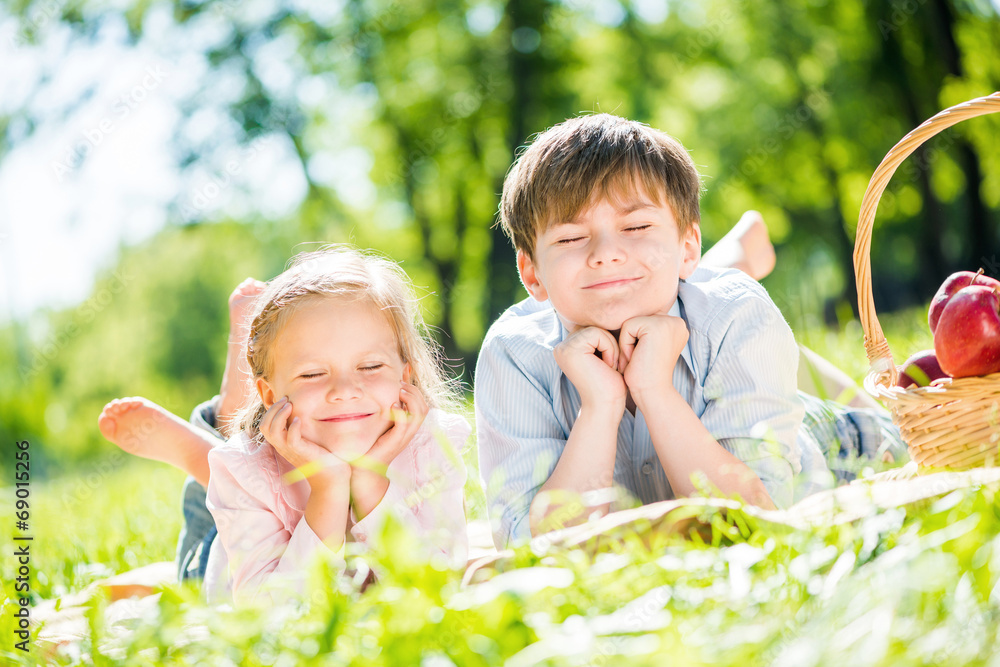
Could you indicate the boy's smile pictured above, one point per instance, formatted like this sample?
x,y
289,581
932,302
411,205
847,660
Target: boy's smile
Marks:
x,y
619,258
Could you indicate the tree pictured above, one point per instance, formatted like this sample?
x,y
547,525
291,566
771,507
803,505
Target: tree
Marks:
x,y
403,118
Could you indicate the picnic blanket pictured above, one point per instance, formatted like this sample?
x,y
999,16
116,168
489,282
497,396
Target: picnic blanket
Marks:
x,y
898,487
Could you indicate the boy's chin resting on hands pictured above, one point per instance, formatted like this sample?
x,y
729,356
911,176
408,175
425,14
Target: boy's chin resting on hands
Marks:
x,y
589,358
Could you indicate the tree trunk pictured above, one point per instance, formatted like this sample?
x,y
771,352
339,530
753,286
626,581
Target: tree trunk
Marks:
x,y
978,248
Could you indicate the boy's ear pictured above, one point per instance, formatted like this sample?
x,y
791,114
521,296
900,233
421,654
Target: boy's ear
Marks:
x,y
266,392
529,276
690,251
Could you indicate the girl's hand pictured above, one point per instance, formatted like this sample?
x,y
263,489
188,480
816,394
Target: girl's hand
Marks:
x,y
407,415
369,482
284,433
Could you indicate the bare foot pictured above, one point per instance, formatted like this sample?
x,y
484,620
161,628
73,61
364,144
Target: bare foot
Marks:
x,y
240,305
236,378
145,429
747,247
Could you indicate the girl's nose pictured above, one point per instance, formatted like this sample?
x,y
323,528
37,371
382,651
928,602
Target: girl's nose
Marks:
x,y
343,388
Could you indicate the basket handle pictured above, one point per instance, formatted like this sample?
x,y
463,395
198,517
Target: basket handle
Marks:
x,y
879,355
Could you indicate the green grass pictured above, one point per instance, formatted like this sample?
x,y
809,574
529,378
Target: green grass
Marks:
x,y
913,586
916,586
114,515
906,332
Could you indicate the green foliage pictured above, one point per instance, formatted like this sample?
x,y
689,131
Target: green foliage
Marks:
x,y
156,325
404,118
787,109
906,331
914,585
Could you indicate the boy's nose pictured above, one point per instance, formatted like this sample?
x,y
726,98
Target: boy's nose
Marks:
x,y
606,249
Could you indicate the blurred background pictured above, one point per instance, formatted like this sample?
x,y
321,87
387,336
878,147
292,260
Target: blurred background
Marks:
x,y
155,153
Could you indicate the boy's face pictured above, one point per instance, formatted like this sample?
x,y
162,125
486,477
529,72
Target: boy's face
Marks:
x,y
618,259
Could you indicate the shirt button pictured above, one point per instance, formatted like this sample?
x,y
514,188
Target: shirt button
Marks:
x,y
647,468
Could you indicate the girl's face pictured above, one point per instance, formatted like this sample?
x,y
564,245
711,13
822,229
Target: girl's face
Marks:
x,y
337,361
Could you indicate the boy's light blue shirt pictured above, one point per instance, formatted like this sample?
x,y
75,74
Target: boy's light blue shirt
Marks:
x,y
737,372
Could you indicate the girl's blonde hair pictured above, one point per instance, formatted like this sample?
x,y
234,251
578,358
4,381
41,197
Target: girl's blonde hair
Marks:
x,y
345,272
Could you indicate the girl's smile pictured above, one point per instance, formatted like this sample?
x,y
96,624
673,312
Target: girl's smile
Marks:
x,y
350,417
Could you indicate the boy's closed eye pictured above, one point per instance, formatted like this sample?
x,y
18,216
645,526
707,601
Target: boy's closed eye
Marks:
x,y
566,240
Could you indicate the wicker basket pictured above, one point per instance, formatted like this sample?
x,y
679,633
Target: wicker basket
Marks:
x,y
953,423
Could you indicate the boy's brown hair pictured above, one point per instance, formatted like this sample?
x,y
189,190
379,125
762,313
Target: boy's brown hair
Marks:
x,y
596,155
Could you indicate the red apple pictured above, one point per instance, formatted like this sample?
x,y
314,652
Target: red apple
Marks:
x,y
967,338
949,287
920,369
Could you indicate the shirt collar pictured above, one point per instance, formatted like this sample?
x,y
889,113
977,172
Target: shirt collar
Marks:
x,y
677,310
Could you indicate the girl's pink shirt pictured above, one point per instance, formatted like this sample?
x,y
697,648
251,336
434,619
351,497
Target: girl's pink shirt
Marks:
x,y
265,546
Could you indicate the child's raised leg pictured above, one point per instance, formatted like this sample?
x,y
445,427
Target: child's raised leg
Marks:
x,y
747,247
236,378
145,429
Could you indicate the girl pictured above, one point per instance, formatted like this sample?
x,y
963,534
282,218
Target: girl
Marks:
x,y
344,428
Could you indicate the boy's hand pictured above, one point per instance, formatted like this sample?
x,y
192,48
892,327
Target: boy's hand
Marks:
x,y
650,347
407,416
596,378
284,433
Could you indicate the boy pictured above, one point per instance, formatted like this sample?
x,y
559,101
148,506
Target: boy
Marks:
x,y
630,365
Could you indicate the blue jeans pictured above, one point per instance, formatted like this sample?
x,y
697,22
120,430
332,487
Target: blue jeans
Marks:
x,y
848,436
199,527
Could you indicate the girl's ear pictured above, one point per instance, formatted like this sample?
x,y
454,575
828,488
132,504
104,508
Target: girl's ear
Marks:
x,y
266,392
407,373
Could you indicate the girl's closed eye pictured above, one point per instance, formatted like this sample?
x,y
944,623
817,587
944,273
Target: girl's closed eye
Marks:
x,y
373,366
311,374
